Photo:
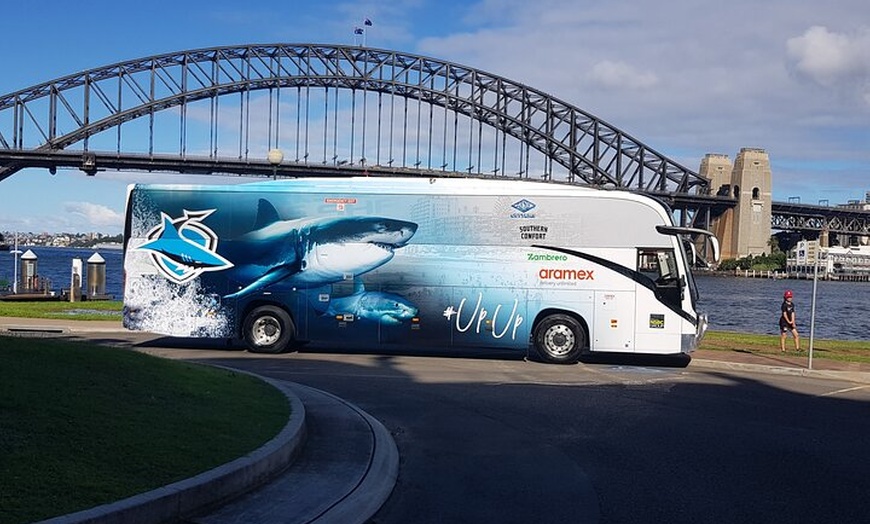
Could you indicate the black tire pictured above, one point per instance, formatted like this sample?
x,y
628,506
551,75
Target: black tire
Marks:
x,y
560,339
268,329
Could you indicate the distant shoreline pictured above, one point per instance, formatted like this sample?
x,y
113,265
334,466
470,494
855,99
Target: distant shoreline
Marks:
x,y
108,245
776,275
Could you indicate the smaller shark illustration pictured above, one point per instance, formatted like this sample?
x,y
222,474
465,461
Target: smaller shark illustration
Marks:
x,y
183,251
384,308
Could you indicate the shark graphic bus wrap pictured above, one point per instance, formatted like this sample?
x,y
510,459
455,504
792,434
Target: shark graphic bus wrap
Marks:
x,y
273,256
407,262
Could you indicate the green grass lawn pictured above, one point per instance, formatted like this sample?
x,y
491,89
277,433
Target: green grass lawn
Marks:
x,y
87,310
847,351
82,425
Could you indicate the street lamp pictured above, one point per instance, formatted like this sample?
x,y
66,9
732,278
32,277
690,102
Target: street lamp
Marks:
x,y
275,157
813,310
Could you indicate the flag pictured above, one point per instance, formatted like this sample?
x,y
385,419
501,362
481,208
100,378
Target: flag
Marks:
x,y
357,30
367,22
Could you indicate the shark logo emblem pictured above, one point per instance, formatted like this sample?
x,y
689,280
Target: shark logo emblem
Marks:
x,y
184,248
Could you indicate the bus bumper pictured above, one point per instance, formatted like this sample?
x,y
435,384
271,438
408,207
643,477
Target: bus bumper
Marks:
x,y
690,342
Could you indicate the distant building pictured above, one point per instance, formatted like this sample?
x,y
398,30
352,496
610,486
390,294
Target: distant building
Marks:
x,y
857,204
834,262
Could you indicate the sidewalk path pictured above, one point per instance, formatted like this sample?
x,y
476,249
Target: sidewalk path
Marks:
x,y
59,326
790,363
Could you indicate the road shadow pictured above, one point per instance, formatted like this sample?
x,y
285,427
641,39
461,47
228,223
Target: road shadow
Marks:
x,y
621,359
482,442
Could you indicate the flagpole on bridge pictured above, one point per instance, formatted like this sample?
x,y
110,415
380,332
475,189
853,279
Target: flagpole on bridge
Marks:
x,y
367,22
361,31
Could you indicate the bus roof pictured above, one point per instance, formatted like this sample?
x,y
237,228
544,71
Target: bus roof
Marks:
x,y
409,186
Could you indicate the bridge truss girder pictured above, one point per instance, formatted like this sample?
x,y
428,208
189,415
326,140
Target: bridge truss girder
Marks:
x,y
815,219
58,114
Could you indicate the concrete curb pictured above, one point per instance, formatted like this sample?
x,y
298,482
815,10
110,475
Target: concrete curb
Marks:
x,y
187,497
32,330
15,325
376,484
851,376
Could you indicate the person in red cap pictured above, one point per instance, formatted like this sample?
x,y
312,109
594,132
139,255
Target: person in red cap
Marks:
x,y
787,322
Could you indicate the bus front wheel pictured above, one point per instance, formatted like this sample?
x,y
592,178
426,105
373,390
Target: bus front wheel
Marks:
x,y
268,329
560,339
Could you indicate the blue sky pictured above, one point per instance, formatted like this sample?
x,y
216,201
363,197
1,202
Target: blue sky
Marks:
x,y
686,78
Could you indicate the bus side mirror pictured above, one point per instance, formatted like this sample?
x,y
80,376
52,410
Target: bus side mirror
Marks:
x,y
714,243
693,254
674,230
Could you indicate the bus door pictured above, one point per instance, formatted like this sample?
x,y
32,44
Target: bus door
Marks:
x,y
658,300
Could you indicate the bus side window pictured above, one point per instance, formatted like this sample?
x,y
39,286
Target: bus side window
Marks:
x,y
660,265
648,263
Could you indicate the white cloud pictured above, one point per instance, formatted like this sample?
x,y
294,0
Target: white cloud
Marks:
x,y
621,76
691,78
96,215
830,58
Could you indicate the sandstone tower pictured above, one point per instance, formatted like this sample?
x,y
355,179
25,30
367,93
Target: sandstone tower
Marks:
x,y
745,229
717,168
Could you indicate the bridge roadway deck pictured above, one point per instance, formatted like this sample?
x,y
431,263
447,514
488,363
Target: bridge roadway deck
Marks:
x,y
785,216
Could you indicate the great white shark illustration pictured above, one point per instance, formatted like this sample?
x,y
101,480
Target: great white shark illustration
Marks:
x,y
378,306
311,252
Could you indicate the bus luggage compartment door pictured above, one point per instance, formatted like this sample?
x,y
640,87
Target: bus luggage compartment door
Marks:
x,y
488,317
613,328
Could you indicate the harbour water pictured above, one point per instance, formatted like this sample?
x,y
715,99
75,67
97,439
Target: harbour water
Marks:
x,y
732,303
753,305
55,264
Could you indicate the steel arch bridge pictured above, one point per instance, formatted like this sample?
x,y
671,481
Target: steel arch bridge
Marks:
x,y
349,108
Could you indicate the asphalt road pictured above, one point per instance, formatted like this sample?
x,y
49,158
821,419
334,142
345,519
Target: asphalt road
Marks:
x,y
501,440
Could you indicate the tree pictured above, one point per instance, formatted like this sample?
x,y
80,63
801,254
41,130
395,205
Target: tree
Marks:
x,y
774,261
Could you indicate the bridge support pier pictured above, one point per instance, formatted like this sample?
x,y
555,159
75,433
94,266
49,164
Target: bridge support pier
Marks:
x,y
745,229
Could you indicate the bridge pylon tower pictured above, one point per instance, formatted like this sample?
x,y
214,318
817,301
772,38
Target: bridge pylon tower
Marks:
x,y
745,229
717,168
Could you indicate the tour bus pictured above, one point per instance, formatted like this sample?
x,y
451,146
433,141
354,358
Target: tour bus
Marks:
x,y
411,263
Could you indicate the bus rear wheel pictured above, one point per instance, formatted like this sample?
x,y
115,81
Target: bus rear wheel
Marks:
x,y
268,329
560,339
